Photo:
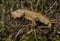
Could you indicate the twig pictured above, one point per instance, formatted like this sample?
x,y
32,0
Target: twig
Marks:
x,y
31,5
22,5
37,3
51,6
26,34
19,30
18,33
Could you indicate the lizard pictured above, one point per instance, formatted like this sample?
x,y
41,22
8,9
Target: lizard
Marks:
x,y
32,16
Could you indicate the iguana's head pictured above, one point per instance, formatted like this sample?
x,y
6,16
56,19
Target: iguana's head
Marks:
x,y
17,14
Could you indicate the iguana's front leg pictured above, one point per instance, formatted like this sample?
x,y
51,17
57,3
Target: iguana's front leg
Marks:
x,y
33,23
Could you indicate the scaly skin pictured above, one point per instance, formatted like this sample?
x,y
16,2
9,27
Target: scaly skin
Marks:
x,y
32,16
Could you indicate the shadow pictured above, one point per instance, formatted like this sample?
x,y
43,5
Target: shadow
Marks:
x,y
38,23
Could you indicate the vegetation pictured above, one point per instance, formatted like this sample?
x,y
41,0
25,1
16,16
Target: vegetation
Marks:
x,y
19,30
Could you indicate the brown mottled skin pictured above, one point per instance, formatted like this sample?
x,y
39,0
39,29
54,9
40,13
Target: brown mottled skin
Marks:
x,y
32,16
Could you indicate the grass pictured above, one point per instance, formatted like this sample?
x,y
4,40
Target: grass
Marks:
x,y
14,29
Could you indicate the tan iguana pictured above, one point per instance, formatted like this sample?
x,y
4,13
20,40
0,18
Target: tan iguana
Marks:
x,y
32,16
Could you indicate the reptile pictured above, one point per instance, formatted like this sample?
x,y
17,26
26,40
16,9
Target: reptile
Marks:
x,y
32,16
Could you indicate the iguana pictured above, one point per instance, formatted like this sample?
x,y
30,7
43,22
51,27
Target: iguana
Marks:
x,y
32,16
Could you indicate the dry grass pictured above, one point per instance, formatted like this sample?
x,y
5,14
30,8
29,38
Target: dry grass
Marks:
x,y
18,30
